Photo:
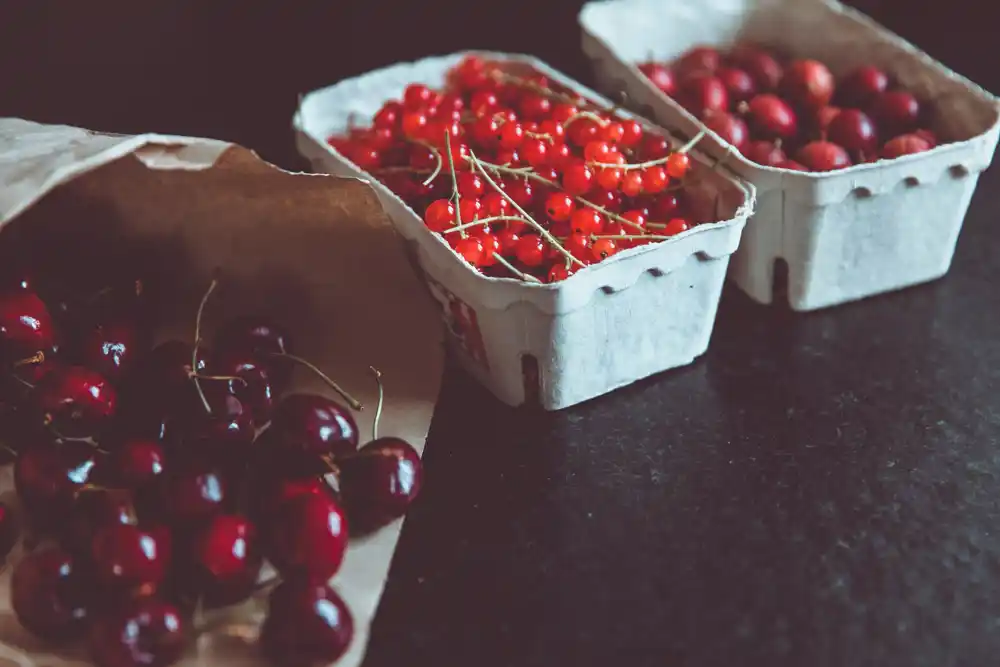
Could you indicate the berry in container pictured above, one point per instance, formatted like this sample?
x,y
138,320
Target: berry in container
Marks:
x,y
573,248
864,151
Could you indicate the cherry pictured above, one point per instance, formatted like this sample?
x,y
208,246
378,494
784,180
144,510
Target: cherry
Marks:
x,y
227,560
9,532
440,215
729,127
896,112
75,401
111,349
146,632
770,117
766,71
560,206
91,511
125,557
823,119
265,340
766,153
862,87
306,536
699,59
48,474
307,623
271,492
308,427
824,156
905,144
559,272
26,325
855,131
252,385
221,435
703,94
667,205
48,595
739,84
660,76
654,147
927,136
792,165
808,83
380,482
471,249
187,495
136,463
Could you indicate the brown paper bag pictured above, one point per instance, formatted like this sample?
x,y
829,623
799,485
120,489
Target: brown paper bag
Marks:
x,y
316,252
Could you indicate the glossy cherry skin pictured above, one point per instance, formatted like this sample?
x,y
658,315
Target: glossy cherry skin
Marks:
x,y
766,153
111,349
809,84
770,117
896,112
221,436
307,537
906,144
136,464
187,496
25,324
262,339
766,71
91,511
380,482
74,401
9,531
253,387
731,128
307,623
697,60
310,426
47,477
146,632
49,596
704,94
660,76
862,87
738,82
855,131
226,560
823,156
126,557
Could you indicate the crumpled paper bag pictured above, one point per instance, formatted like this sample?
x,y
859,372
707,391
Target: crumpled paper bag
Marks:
x,y
315,252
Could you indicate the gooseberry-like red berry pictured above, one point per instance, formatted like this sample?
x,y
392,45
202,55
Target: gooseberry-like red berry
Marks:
x,y
603,248
823,156
655,180
632,133
521,191
766,153
766,71
905,144
530,250
698,59
771,117
559,206
676,226
678,165
416,96
631,184
703,94
896,112
413,124
535,107
855,131
440,215
511,135
730,128
470,249
470,185
561,271
809,83
660,76
582,131
739,84
862,87
578,179
586,221
792,165
535,152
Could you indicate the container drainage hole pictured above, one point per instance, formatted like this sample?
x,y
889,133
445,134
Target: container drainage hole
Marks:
x,y
531,380
911,182
958,171
861,193
779,281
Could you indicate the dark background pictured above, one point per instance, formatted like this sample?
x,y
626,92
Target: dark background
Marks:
x,y
819,490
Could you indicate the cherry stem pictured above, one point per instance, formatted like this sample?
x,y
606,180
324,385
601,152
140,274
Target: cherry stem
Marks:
x,y
485,221
381,400
197,342
454,184
531,221
218,378
10,450
332,465
437,157
353,402
651,163
526,277
37,358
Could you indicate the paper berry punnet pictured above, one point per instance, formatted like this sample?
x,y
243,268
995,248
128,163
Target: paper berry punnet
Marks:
x,y
553,338
844,234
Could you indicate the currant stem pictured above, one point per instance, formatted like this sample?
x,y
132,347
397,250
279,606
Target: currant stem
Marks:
x,y
381,399
691,144
218,378
332,465
485,221
37,358
531,221
437,156
603,122
454,183
632,237
353,402
527,277
197,343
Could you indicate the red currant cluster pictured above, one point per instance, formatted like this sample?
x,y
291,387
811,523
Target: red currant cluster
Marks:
x,y
768,109
523,177
155,481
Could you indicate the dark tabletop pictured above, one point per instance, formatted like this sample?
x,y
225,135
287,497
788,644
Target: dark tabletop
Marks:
x,y
818,490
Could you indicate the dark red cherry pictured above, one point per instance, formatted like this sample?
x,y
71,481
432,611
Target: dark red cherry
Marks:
x,y
227,560
809,84
823,156
307,537
761,65
136,463
862,87
730,128
896,112
380,482
271,491
49,595
770,117
740,85
25,324
90,512
47,476
262,339
253,386
310,426
126,557
188,495
698,59
146,632
9,531
766,153
855,131
74,401
660,76
703,94
111,349
307,623
221,436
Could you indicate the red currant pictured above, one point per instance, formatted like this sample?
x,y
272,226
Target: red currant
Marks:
x,y
485,131
632,133
491,248
388,116
422,158
609,178
471,74
638,220
578,178
509,240
654,180
597,151
631,185
676,226
495,205
530,250
563,112
440,215
603,248
470,185
553,130
559,206
582,131
666,206
586,221
660,76
678,165
654,147
610,200
470,249
535,152
484,102
366,156
560,155
535,106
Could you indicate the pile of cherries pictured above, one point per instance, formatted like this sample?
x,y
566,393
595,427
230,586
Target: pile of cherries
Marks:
x,y
154,481
522,177
770,109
